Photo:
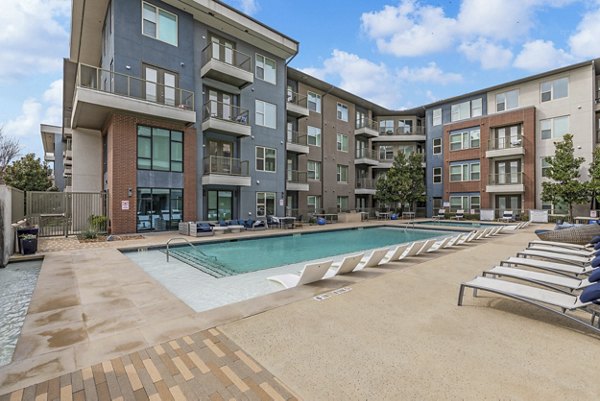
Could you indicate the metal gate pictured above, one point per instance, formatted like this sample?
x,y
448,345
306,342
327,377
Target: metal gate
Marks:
x,y
67,213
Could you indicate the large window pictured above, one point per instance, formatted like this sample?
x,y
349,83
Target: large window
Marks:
x,y
466,110
159,24
467,171
464,139
265,204
386,127
386,152
342,203
219,205
554,127
465,202
313,170
313,203
159,209
266,114
266,159
342,112
545,168
437,175
314,136
436,117
507,100
266,69
342,142
314,102
405,127
342,173
437,146
556,89
159,149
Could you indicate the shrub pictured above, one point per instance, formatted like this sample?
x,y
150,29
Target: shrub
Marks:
x,y
97,223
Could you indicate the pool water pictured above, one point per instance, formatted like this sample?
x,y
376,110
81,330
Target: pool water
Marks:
x,y
236,257
17,282
456,223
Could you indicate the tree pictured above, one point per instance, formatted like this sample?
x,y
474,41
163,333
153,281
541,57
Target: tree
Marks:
x,y
9,149
28,174
594,172
563,172
403,182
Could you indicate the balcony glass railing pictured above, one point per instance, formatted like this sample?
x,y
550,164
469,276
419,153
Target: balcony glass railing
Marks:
x,y
364,153
366,123
296,138
506,178
133,87
297,99
225,111
225,166
297,177
227,55
365,183
505,142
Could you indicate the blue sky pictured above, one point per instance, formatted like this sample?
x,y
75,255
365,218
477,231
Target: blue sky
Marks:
x,y
399,54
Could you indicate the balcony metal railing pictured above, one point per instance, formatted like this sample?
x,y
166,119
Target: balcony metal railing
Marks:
x,y
506,178
226,166
402,131
297,177
225,111
365,183
297,99
505,142
227,55
365,153
366,123
133,87
296,138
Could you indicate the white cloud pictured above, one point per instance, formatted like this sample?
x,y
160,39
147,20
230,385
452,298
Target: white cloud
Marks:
x,y
431,74
489,55
498,19
585,42
539,55
28,122
32,40
249,7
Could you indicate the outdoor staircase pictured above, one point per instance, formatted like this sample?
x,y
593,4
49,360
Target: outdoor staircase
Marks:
x,y
198,260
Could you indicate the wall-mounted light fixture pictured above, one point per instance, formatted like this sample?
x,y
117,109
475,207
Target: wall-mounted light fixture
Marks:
x,y
128,67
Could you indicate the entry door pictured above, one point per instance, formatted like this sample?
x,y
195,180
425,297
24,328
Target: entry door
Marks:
x,y
508,171
222,49
220,104
290,169
160,85
221,157
220,205
508,202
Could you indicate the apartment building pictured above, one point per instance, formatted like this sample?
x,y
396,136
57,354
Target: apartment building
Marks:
x,y
55,155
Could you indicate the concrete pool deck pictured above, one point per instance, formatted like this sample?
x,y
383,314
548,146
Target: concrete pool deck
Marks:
x,y
397,334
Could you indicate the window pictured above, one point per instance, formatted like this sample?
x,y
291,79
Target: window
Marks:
x,y
266,114
507,100
159,149
266,159
361,119
437,146
554,127
466,110
386,127
342,112
342,203
507,137
313,170
159,209
314,136
468,171
436,117
265,204
159,24
342,142
438,203
556,89
342,173
405,127
386,152
545,168
314,102
437,175
266,69
465,202
468,139
313,203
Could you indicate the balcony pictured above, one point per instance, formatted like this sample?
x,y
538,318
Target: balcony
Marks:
x,y
226,119
365,156
505,183
297,105
383,162
220,170
225,64
99,92
68,154
506,146
68,171
367,128
49,157
365,186
401,134
296,181
68,162
297,143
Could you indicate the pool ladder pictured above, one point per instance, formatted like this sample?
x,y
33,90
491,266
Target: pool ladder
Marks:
x,y
188,242
410,222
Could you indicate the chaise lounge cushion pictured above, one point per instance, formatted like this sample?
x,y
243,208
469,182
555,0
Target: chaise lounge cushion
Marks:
x,y
591,293
595,240
595,276
595,262
597,246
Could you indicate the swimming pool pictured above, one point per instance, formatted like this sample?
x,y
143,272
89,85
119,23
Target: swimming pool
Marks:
x,y
230,258
18,282
456,223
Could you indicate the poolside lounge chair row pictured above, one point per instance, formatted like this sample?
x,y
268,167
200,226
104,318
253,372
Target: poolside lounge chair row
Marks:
x,y
570,280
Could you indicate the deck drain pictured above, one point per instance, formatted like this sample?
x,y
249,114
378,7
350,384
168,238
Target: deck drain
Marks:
x,y
339,291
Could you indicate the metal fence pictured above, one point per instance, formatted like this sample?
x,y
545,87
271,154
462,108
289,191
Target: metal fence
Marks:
x,y
67,213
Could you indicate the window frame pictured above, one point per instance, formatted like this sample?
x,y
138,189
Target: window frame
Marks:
x,y
466,202
264,159
552,129
435,118
340,144
267,197
317,136
551,91
341,108
150,159
317,101
438,146
264,63
466,170
466,136
437,175
264,113
341,171
470,106
340,207
316,205
157,23
316,170
505,102
386,129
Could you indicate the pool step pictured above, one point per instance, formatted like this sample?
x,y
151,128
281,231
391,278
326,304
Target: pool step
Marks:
x,y
206,264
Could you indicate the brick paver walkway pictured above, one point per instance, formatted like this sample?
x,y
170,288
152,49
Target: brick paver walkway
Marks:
x,y
203,366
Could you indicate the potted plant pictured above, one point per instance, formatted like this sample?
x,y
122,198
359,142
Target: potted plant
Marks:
x,y
28,244
24,227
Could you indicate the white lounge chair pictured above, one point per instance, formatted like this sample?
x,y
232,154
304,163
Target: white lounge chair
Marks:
x,y
395,254
557,267
552,301
439,244
460,214
507,215
441,214
565,251
560,244
373,260
310,273
455,240
413,249
467,237
426,246
345,266
574,260
549,280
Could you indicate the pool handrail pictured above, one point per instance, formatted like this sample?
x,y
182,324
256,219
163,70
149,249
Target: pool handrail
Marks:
x,y
188,242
